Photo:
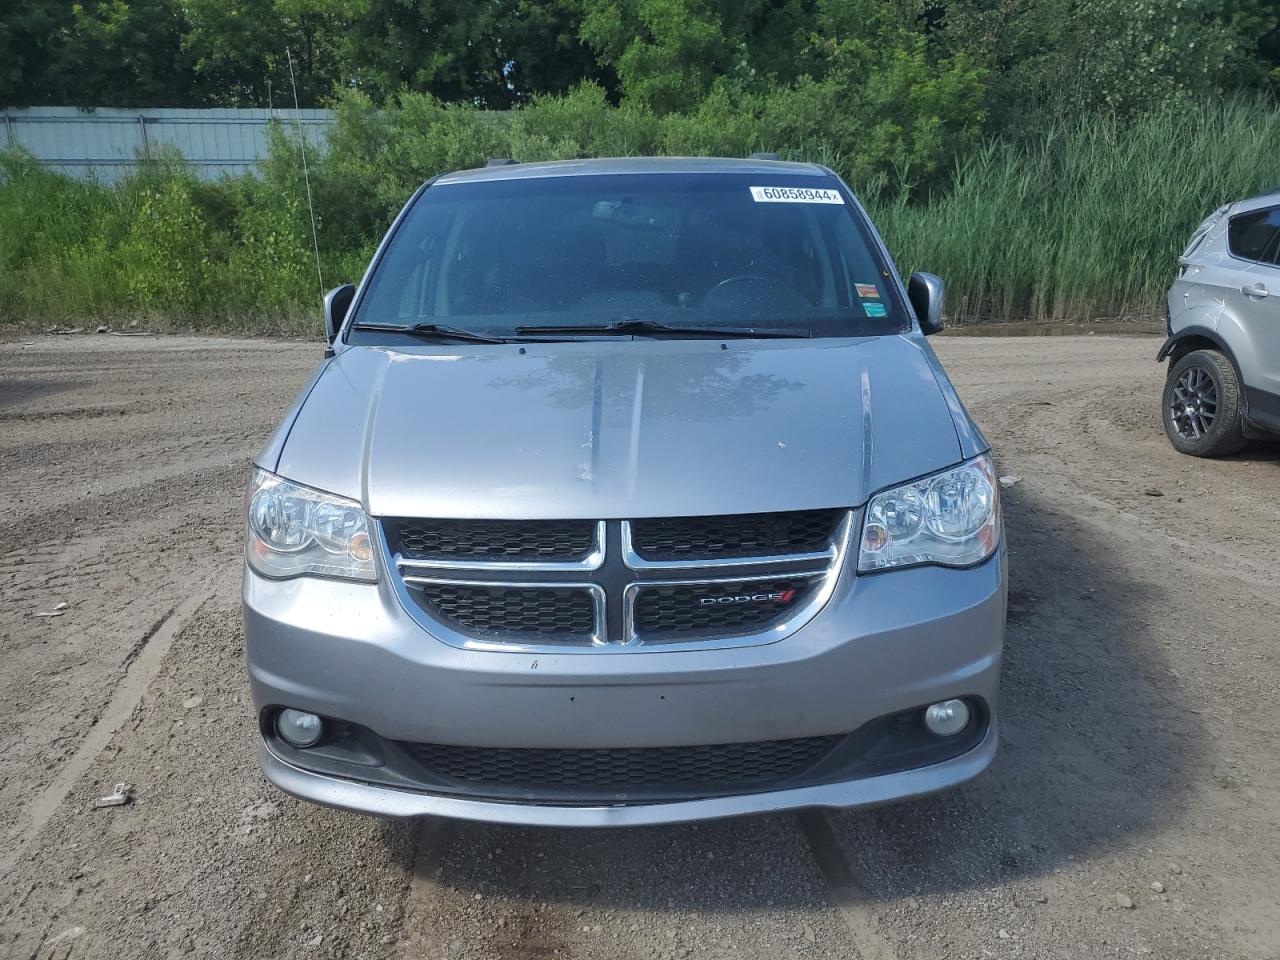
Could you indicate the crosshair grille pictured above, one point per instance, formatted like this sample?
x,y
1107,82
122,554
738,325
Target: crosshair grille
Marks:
x,y
605,585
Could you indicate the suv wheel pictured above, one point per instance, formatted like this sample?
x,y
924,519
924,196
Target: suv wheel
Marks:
x,y
1201,406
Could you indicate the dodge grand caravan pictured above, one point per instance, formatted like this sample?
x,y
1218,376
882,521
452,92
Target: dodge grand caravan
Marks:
x,y
628,491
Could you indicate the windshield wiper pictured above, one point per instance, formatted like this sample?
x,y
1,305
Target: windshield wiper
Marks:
x,y
433,331
651,328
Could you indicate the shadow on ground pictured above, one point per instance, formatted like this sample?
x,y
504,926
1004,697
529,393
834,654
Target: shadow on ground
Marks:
x,y
18,392
1259,451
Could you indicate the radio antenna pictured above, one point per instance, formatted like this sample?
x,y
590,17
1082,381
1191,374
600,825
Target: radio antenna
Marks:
x,y
306,176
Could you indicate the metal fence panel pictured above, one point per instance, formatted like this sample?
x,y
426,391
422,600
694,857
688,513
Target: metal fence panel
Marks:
x,y
106,143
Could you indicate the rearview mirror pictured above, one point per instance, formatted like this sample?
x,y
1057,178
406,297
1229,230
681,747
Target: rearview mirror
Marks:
x,y
336,303
924,290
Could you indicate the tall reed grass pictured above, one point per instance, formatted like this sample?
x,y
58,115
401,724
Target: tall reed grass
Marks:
x,y
1082,222
1086,222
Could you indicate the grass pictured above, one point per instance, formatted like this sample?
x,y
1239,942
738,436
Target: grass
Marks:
x,y
1084,222
1088,221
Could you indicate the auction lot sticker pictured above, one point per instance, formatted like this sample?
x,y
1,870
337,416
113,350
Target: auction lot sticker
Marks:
x,y
795,195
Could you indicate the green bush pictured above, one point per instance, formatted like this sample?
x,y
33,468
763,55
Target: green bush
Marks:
x,y
270,268
581,123
57,237
165,256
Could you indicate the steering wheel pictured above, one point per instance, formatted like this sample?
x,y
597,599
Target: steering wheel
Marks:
x,y
740,278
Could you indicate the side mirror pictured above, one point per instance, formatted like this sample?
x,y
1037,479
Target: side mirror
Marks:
x,y
924,290
336,303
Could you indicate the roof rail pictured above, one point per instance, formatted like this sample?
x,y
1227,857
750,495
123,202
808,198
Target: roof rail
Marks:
x,y
763,155
499,162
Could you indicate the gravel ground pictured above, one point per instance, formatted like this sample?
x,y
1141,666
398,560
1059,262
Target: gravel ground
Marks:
x,y
1132,811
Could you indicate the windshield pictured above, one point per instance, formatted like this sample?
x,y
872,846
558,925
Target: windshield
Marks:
x,y
696,251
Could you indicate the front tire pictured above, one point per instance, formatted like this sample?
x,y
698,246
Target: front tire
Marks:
x,y
1200,406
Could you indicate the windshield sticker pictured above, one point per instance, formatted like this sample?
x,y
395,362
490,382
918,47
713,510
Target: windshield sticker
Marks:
x,y
874,309
868,291
795,195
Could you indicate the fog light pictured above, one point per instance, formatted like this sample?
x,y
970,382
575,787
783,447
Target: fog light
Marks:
x,y
947,718
300,729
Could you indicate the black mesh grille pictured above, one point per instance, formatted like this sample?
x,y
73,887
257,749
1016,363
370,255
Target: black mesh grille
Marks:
x,y
726,608
480,540
628,775
741,535
722,767
541,612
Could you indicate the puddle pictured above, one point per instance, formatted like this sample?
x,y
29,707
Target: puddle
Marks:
x,y
1082,328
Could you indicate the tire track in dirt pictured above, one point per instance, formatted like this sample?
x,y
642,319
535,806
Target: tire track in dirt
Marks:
x,y
141,668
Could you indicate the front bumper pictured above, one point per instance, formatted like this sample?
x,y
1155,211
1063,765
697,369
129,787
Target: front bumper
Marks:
x,y
386,802
884,643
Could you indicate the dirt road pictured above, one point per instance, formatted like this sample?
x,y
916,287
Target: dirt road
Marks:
x,y
1133,810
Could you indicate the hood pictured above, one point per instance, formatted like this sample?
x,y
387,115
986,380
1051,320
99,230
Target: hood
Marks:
x,y
623,428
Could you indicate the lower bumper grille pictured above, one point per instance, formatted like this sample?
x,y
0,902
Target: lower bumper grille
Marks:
x,y
723,767
628,775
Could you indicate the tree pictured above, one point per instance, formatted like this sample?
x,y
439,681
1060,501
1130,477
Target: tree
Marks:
x,y
29,36
1066,57
239,50
493,53
668,53
116,52
897,106
858,79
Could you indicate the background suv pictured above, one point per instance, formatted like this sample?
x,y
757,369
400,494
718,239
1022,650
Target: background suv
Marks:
x,y
631,492
1223,384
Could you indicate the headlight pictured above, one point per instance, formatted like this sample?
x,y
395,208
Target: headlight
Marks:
x,y
951,518
295,531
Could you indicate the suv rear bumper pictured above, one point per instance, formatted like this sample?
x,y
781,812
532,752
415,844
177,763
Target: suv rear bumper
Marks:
x,y
884,643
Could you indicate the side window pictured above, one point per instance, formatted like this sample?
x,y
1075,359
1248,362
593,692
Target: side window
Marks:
x,y
1256,235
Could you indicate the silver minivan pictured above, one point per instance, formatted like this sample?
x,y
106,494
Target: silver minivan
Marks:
x,y
628,491
1223,383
